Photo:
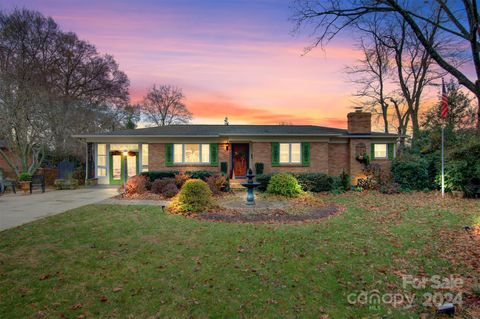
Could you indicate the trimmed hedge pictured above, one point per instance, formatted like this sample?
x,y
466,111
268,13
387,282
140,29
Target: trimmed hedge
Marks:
x,y
195,196
154,175
284,184
310,182
200,174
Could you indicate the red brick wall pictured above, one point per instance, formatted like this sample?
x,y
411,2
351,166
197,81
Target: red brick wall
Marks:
x,y
359,122
7,170
338,158
262,153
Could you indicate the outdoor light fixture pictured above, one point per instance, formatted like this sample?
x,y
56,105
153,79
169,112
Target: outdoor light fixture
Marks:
x,y
226,147
125,153
446,309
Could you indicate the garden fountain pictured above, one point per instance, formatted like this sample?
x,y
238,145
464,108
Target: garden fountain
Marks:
x,y
250,185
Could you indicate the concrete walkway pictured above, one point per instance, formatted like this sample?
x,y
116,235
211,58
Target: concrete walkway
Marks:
x,y
19,209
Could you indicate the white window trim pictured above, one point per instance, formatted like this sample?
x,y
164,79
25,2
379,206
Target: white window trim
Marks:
x,y
140,159
386,151
199,155
107,159
290,153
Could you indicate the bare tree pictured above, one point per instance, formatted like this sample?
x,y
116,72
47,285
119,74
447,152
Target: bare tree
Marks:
x,y
372,74
164,105
457,22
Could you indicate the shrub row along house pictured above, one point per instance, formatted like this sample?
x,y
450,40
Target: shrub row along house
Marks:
x,y
232,149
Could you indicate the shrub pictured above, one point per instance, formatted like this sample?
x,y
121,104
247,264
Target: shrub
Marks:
x,y
160,183
314,182
224,168
345,181
259,168
411,173
263,179
154,175
284,184
180,179
66,183
169,190
216,183
463,169
194,196
136,185
200,174
25,177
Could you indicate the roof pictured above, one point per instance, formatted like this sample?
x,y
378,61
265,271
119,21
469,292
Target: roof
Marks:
x,y
204,130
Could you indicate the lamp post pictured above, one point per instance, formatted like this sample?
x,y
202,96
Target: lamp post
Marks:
x,y
125,173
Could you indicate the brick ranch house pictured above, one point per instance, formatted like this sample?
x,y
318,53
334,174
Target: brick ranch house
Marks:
x,y
233,149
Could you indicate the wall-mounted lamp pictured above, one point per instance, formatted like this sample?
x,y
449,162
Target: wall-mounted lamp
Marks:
x,y
226,147
125,153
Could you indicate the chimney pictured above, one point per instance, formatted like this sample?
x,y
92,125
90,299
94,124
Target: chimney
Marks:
x,y
359,122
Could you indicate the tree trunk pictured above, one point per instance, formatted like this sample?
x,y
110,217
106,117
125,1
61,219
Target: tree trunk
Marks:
x,y
415,127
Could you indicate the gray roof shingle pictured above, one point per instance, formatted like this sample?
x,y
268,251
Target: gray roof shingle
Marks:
x,y
231,130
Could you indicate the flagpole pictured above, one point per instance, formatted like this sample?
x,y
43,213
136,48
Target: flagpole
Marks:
x,y
443,163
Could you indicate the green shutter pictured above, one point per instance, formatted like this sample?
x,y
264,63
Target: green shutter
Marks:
x,y
275,154
214,154
306,154
391,150
168,154
372,151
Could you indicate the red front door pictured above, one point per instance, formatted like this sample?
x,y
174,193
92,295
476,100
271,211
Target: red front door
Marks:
x,y
240,159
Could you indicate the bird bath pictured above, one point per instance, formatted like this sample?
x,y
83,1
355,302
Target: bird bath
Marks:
x,y
250,185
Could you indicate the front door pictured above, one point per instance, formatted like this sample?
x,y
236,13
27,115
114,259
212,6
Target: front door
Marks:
x,y
240,159
118,167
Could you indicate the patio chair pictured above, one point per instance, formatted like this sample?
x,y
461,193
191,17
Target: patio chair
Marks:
x,y
7,183
37,181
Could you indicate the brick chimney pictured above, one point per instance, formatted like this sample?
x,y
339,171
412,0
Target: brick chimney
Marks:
x,y
359,122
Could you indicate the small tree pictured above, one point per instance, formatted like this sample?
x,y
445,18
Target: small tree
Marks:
x,y
164,105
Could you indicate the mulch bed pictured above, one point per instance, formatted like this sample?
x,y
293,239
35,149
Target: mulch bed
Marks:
x,y
271,216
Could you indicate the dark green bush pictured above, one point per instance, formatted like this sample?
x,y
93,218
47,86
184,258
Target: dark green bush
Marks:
x,y
284,184
345,181
195,196
463,169
412,173
154,175
259,168
263,179
314,182
224,168
200,174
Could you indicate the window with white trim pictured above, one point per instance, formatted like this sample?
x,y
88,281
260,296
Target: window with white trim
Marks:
x,y
144,157
191,153
380,151
290,153
101,160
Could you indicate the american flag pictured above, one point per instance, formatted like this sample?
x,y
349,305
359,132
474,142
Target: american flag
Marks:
x,y
444,105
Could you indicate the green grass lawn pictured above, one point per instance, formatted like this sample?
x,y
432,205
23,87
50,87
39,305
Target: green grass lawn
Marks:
x,y
104,261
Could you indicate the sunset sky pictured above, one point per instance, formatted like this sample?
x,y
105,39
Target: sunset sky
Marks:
x,y
232,58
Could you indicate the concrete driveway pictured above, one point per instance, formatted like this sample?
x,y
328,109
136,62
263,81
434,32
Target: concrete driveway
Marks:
x,y
18,209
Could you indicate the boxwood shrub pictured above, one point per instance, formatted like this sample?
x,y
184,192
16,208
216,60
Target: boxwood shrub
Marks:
x,y
309,182
284,184
195,196
154,175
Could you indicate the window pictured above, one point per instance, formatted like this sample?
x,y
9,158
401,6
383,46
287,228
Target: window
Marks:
x,y
191,153
101,160
290,153
380,150
144,157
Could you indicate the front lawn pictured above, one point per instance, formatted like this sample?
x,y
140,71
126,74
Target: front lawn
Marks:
x,y
139,262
